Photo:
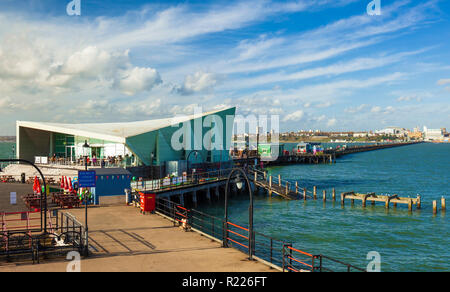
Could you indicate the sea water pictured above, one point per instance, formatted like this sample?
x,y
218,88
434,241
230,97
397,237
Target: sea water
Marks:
x,y
416,241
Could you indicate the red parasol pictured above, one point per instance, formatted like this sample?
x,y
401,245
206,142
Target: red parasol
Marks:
x,y
36,185
70,186
62,182
66,185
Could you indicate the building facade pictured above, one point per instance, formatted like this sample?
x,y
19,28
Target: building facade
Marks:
x,y
152,142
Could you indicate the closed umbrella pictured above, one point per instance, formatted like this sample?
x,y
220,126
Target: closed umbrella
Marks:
x,y
38,185
66,184
35,185
70,186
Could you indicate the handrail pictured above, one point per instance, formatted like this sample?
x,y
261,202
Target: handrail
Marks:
x,y
275,251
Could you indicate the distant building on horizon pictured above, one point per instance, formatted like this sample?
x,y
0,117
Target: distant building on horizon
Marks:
x,y
393,131
433,134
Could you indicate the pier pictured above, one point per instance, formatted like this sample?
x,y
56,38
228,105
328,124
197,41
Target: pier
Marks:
x,y
372,197
327,156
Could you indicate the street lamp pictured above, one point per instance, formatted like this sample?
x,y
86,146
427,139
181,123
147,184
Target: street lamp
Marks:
x,y
86,154
239,185
151,164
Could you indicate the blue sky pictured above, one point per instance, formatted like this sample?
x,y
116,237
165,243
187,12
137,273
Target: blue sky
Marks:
x,y
322,64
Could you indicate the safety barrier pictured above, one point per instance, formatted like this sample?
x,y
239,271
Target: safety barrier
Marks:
x,y
20,239
295,260
274,251
165,184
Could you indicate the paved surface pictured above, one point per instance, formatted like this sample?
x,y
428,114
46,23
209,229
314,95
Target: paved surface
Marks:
x,y
125,240
20,189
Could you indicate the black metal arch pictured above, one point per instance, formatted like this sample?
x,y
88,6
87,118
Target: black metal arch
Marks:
x,y
250,211
43,193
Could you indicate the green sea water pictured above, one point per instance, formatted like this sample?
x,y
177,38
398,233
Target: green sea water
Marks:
x,y
7,149
417,241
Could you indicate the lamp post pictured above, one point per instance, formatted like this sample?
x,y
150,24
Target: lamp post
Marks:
x,y
86,154
151,164
239,185
196,153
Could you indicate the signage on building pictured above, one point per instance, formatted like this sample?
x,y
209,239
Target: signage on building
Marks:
x,y
86,179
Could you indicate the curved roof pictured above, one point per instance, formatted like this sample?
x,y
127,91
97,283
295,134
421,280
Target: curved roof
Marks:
x,y
114,132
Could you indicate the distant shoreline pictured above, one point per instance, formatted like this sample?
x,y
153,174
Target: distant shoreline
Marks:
x,y
7,139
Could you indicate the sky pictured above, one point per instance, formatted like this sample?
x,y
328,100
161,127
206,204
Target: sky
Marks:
x,y
324,64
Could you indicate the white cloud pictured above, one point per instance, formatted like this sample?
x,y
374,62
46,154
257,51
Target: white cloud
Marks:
x,y
357,109
138,79
443,81
198,82
295,116
331,122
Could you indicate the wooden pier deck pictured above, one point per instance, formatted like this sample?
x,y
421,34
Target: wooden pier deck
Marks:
x,y
372,197
277,186
292,191
328,156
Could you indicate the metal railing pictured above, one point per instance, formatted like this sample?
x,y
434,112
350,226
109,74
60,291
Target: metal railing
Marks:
x,y
295,260
274,251
180,181
64,234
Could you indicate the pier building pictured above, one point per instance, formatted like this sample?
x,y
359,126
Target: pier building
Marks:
x,y
140,143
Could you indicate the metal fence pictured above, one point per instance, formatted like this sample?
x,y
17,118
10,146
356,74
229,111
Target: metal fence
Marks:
x,y
21,241
180,181
277,252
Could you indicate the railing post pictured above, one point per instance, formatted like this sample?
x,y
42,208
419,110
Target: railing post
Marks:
x,y
320,267
271,249
315,192
225,234
279,180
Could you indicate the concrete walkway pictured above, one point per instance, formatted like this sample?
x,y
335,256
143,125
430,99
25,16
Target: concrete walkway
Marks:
x,y
125,240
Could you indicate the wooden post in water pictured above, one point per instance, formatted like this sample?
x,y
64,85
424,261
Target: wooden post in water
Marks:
x,y
419,202
409,205
333,195
296,187
443,204
324,195
270,186
315,192
287,188
304,194
342,199
434,207
279,180
387,202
